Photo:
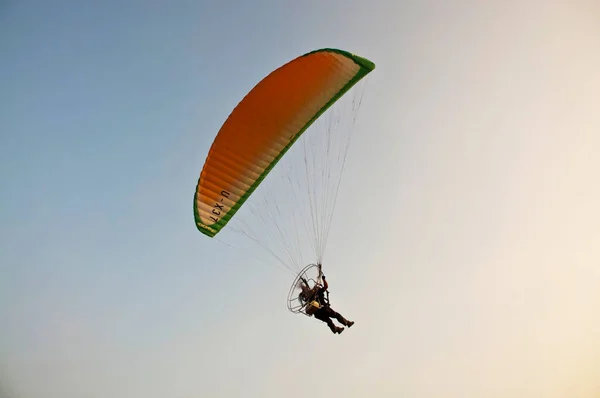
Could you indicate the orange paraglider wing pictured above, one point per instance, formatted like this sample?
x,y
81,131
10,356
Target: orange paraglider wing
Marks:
x,y
264,125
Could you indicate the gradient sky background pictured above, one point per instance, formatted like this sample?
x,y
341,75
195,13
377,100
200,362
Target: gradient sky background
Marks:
x,y
475,273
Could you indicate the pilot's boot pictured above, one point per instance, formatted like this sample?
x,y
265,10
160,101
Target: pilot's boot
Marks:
x,y
343,320
333,327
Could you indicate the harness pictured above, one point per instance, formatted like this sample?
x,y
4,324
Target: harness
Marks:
x,y
317,300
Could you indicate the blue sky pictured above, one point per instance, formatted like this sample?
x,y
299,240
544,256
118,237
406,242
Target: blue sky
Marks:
x,y
474,273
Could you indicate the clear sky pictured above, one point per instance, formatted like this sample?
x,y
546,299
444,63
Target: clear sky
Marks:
x,y
466,243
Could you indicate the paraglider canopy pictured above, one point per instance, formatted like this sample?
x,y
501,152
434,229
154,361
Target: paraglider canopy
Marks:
x,y
263,127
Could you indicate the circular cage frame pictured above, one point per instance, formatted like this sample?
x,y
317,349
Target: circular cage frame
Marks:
x,y
294,304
